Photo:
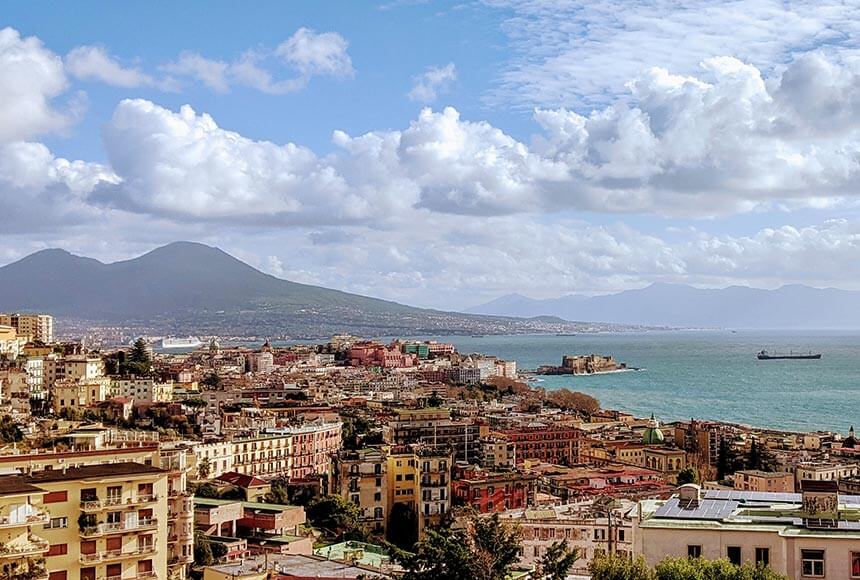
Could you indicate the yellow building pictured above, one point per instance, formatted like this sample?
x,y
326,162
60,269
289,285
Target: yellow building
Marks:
x,y
360,477
33,326
77,394
106,521
22,547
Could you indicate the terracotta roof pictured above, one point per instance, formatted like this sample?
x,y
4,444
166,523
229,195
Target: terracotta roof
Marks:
x,y
241,480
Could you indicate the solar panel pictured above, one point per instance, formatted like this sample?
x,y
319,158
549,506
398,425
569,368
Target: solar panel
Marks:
x,y
753,496
705,509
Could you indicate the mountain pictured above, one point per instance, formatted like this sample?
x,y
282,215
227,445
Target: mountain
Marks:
x,y
191,288
792,306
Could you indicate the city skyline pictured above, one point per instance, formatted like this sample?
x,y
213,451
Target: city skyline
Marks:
x,y
441,154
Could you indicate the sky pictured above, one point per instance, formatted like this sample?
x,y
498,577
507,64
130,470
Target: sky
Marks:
x,y
441,154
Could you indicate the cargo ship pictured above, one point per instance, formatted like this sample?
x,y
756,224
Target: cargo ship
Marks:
x,y
764,355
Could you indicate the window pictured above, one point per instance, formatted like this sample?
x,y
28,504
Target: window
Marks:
x,y
377,496
57,523
855,564
762,556
733,553
58,575
812,563
694,551
620,535
58,550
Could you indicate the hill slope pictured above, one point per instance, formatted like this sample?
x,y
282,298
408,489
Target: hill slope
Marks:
x,y
793,306
187,287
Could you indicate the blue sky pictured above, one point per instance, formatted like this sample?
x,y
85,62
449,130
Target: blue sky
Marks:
x,y
441,153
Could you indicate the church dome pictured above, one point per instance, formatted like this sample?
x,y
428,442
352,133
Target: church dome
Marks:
x,y
652,434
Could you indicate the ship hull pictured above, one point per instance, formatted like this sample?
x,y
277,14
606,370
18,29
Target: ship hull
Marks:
x,y
789,357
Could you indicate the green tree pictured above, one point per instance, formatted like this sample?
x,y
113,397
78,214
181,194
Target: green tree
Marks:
x,y
204,468
403,526
617,567
556,562
212,380
333,514
484,549
203,555
9,430
722,569
688,475
207,490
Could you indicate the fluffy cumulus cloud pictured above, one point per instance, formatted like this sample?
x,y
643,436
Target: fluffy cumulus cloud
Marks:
x,y
33,78
305,55
182,164
433,82
725,141
39,191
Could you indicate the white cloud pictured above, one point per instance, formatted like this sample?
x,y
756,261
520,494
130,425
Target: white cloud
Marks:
x,y
33,77
569,52
94,63
212,73
433,82
306,54
183,165
39,191
316,54
726,141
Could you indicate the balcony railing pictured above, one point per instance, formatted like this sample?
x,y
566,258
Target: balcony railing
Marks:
x,y
112,502
29,548
35,518
149,574
119,527
117,554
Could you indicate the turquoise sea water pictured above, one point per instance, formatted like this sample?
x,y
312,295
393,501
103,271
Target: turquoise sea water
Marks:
x,y
706,374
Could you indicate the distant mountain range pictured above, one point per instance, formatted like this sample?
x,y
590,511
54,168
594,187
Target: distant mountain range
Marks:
x,y
793,306
191,288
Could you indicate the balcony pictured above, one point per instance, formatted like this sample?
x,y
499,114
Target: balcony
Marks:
x,y
109,555
114,502
32,547
119,528
35,518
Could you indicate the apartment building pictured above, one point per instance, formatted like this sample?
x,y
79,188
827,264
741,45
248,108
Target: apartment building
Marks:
x,y
755,480
174,459
435,427
78,394
103,521
813,534
142,390
362,477
591,528
22,518
547,443
33,326
824,471
434,473
292,452
489,492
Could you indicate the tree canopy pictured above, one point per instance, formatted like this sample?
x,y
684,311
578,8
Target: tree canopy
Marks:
x,y
617,567
568,400
483,549
556,562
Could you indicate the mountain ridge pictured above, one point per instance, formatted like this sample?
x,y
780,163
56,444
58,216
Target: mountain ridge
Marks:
x,y
189,287
791,306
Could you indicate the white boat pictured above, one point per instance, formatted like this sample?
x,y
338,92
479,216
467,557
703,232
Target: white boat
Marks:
x,y
187,342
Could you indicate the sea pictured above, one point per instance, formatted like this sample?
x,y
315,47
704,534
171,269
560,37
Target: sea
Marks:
x,y
704,374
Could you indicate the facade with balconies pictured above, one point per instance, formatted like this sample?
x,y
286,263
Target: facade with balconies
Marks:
x,y
107,522
22,549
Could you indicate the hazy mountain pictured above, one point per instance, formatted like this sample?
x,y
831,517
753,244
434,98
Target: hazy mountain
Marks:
x,y
793,306
193,288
